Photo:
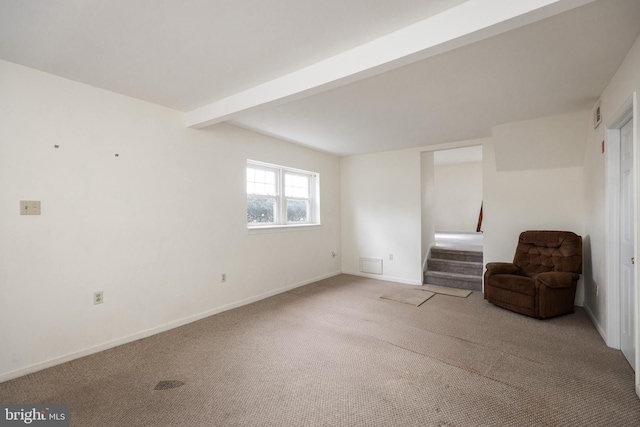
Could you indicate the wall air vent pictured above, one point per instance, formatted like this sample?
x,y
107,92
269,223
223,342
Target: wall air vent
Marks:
x,y
597,115
371,265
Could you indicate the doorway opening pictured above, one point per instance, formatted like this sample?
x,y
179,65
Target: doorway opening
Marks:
x,y
455,252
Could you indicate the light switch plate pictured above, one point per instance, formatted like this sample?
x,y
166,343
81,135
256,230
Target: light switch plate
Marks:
x,y
29,207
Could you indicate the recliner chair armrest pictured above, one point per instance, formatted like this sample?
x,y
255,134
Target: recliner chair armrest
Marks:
x,y
557,279
501,268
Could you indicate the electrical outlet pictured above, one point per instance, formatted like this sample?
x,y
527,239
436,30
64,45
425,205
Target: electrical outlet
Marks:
x,y
390,257
223,278
98,298
29,207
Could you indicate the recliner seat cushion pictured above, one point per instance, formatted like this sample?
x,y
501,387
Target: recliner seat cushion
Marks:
x,y
520,284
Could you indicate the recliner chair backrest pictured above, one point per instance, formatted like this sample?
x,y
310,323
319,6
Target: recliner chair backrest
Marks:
x,y
541,251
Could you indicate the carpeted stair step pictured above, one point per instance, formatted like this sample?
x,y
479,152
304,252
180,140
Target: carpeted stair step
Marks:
x,y
456,254
451,266
453,280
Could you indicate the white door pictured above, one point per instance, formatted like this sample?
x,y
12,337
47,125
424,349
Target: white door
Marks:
x,y
627,249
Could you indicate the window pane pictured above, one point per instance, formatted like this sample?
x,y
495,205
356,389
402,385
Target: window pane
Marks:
x,y
297,211
262,182
270,189
296,186
270,178
261,209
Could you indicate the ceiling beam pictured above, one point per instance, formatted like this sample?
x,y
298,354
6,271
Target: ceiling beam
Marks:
x,y
467,23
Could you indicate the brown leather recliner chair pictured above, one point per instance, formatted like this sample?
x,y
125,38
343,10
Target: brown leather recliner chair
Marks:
x,y
541,281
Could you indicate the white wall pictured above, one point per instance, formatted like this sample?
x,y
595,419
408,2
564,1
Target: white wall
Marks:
x,y
620,88
546,143
153,228
458,196
381,213
519,200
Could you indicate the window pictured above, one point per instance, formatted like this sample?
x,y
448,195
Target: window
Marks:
x,y
281,196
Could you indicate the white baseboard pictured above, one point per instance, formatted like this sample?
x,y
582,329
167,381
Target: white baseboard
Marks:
x,y
595,322
384,278
152,331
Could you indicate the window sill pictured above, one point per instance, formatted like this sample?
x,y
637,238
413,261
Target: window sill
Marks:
x,y
263,229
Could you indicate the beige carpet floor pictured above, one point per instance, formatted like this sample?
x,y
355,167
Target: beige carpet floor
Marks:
x,y
334,354
409,296
443,290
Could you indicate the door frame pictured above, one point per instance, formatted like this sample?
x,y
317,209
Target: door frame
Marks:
x,y
628,110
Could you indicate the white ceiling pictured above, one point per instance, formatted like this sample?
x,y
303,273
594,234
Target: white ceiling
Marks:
x,y
187,54
555,66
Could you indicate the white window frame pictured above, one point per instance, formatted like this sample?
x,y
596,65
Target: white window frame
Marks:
x,y
280,214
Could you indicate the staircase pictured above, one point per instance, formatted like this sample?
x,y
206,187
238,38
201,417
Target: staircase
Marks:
x,y
454,268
